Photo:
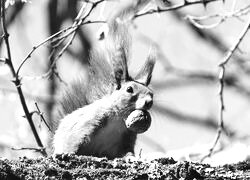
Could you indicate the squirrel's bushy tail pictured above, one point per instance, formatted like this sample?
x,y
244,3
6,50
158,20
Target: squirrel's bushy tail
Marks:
x,y
102,62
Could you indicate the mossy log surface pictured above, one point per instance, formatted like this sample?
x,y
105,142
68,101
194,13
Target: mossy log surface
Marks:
x,y
84,168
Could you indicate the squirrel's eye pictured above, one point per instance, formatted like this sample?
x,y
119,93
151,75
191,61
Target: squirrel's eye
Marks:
x,y
130,89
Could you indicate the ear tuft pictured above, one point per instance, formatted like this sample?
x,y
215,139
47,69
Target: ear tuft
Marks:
x,y
118,78
145,74
120,66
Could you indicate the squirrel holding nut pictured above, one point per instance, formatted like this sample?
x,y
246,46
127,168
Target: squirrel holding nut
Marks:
x,y
103,116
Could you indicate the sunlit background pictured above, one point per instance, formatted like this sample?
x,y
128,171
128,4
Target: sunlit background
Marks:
x,y
185,80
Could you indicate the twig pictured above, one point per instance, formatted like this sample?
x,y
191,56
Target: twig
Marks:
x,y
49,39
236,13
223,17
40,44
17,80
216,41
41,116
194,20
77,23
16,10
33,149
2,60
222,67
236,45
174,7
73,28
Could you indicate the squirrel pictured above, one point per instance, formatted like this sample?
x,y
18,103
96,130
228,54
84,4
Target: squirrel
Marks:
x,y
93,114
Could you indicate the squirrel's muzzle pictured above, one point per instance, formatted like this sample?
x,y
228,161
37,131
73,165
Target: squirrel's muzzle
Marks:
x,y
148,104
145,103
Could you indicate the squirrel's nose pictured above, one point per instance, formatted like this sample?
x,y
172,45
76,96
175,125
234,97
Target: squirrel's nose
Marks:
x,y
145,102
148,103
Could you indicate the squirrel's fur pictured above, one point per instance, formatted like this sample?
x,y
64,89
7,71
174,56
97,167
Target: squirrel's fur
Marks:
x,y
93,114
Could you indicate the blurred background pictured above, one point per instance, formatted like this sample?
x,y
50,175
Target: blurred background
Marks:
x,y
190,42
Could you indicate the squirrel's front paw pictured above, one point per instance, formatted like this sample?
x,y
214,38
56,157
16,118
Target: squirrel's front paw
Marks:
x,y
130,157
63,157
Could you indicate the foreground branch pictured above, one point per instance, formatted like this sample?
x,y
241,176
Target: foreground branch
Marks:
x,y
222,80
17,79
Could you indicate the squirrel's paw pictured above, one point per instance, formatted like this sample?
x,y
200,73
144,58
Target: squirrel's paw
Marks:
x,y
130,157
63,157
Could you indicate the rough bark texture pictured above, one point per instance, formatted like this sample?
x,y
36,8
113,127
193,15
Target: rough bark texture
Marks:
x,y
83,167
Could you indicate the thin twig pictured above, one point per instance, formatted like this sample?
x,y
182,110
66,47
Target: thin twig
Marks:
x,y
222,67
202,26
223,17
236,45
2,60
174,7
41,116
77,23
72,28
40,44
17,79
33,149
235,13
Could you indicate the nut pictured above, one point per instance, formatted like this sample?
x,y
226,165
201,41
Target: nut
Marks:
x,y
138,121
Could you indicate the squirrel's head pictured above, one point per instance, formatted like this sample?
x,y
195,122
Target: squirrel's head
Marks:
x,y
134,93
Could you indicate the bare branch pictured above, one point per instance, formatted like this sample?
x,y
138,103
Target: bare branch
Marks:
x,y
69,30
33,149
77,23
2,60
236,44
17,80
174,7
221,80
41,116
40,44
222,17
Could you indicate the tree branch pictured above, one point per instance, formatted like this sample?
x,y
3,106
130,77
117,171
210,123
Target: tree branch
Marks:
x,y
30,149
222,67
42,117
174,7
222,17
17,80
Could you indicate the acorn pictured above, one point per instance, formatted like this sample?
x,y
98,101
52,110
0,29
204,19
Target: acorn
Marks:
x,y
138,121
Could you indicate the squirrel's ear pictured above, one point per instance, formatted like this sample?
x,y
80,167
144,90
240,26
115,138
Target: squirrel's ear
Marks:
x,y
118,78
120,67
145,73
